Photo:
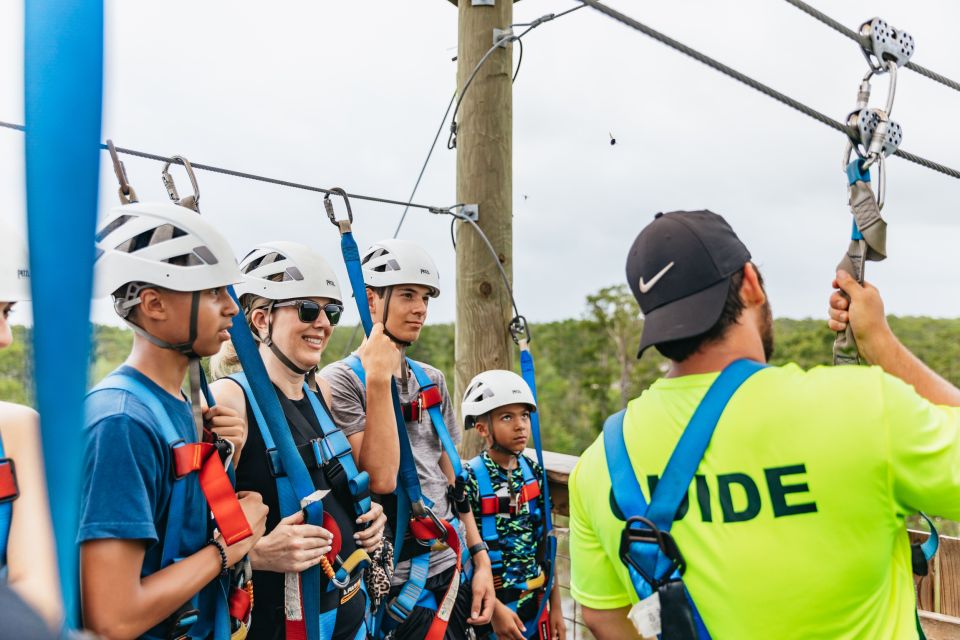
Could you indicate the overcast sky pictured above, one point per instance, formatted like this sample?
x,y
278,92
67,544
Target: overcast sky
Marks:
x,y
350,93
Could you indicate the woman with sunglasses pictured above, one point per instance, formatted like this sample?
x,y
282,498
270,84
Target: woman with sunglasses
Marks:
x,y
27,558
292,302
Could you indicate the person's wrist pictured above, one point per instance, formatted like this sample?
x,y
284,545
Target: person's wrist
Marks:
x,y
217,543
881,346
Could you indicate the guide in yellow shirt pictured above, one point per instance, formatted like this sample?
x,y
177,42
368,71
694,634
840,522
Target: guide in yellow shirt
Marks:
x,y
793,525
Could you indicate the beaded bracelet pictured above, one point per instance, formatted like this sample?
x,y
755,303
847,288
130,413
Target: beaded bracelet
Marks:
x,y
223,555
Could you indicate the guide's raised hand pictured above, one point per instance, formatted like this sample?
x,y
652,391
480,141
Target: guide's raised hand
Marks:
x,y
861,308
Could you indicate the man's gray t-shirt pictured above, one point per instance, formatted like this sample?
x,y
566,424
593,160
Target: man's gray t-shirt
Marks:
x,y
349,408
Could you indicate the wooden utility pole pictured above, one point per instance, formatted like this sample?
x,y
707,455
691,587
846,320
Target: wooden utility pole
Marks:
x,y
484,178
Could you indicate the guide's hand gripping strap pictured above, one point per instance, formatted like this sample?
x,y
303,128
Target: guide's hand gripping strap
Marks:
x,y
868,242
272,421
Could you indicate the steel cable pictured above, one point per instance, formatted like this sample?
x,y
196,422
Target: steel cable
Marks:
x,y
756,84
853,35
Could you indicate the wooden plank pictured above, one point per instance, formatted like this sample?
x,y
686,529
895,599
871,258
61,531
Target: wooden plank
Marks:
x,y
937,626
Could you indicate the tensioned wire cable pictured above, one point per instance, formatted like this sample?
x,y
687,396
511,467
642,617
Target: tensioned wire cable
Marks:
x,y
755,84
258,178
853,35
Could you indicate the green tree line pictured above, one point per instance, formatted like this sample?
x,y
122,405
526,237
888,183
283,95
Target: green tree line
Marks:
x,y
586,366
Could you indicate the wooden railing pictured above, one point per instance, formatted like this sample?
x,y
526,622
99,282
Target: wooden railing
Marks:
x,y
938,592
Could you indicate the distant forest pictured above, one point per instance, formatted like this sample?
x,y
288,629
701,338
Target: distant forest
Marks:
x,y
586,367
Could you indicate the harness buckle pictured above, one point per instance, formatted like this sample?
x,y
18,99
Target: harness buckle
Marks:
x,y
190,202
9,488
649,533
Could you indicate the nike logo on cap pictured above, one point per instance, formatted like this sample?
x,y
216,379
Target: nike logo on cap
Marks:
x,y
646,286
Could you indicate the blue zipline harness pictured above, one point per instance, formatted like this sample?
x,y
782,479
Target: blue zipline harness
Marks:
x,y
648,549
296,491
333,455
414,510
197,462
9,491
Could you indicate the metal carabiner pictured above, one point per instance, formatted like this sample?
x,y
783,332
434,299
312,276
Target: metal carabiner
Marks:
x,y
420,510
191,201
343,225
127,194
520,330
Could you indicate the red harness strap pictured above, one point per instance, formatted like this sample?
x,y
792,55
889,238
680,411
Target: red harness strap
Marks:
x,y
426,529
9,490
240,604
427,398
492,505
220,494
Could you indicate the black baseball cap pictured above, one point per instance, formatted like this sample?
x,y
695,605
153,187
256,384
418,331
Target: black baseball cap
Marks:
x,y
679,270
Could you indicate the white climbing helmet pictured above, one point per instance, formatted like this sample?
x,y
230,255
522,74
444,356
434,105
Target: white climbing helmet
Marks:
x,y
305,274
491,390
160,244
392,262
14,267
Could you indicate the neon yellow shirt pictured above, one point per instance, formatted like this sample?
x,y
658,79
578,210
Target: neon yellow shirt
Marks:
x,y
795,523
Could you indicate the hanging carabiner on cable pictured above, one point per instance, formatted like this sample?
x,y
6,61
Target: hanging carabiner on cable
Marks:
x,y
343,225
191,201
127,194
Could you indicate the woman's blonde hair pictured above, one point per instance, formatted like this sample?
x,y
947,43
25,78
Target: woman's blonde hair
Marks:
x,y
225,362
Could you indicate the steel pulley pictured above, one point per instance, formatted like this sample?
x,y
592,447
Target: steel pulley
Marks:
x,y
882,44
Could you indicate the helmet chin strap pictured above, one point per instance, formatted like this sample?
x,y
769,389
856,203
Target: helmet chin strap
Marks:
x,y
281,356
402,344
496,446
195,371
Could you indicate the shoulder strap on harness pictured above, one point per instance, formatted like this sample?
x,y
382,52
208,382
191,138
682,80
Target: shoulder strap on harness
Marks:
x,y
654,561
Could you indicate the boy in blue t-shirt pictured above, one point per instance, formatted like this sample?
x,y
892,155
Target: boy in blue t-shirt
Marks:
x,y
150,555
504,489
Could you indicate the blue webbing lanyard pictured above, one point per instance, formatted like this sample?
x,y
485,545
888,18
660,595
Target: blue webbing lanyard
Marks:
x,y
528,372
63,79
262,390
675,480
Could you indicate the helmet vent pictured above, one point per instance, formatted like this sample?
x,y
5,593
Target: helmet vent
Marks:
x,y
205,254
113,226
292,273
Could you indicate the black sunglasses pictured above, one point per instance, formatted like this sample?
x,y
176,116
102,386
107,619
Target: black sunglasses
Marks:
x,y
308,310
